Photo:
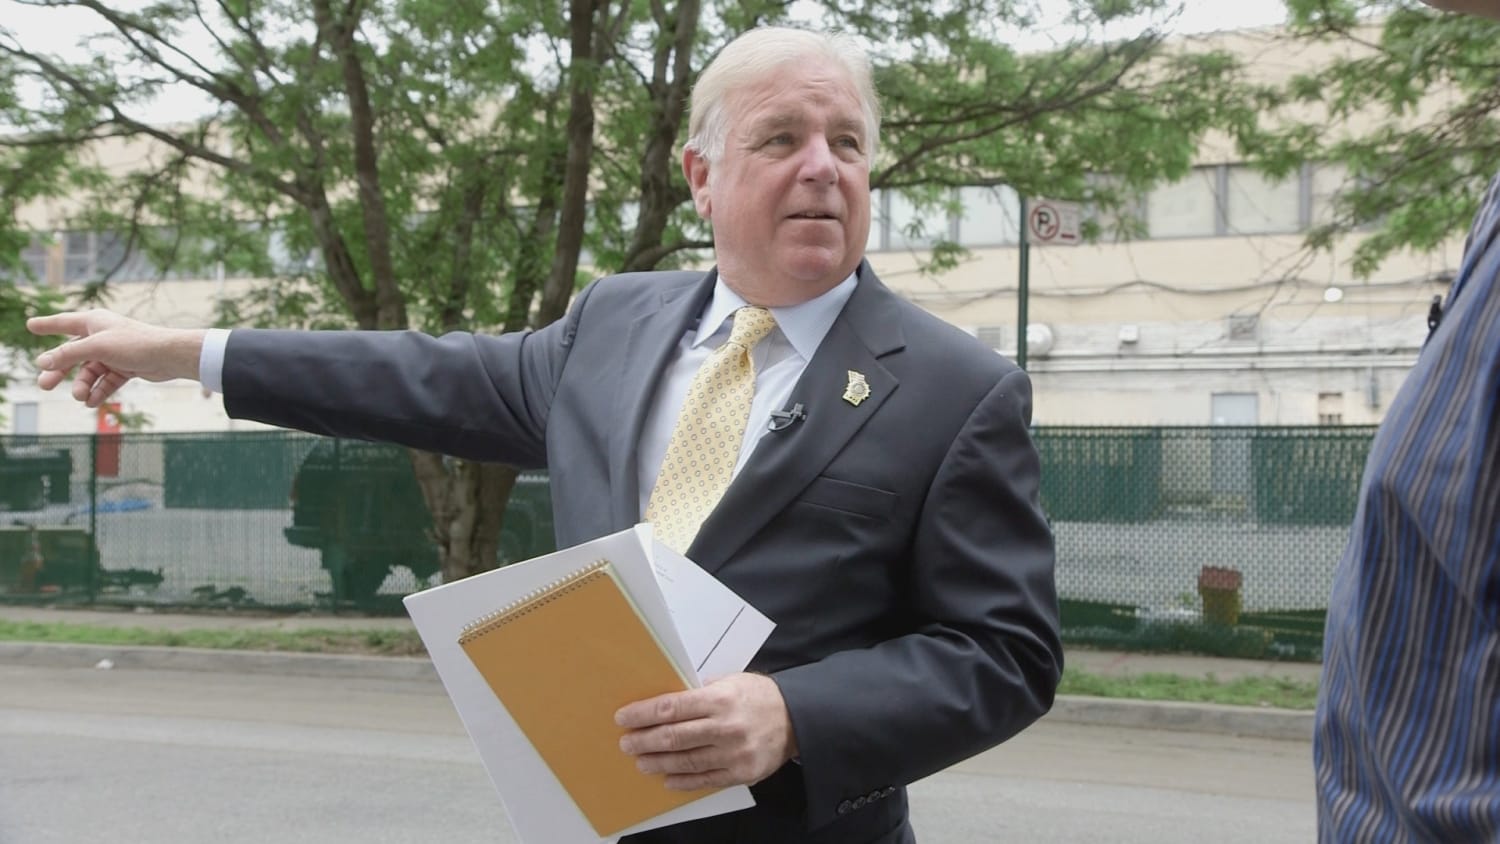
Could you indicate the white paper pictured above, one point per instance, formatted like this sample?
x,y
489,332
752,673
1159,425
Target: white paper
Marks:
x,y
537,804
719,629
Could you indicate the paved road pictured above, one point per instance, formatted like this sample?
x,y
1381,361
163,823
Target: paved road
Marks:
x,y
170,757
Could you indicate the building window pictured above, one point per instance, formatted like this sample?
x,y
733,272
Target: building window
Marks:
x,y
24,423
35,258
912,227
287,259
1188,208
110,256
991,216
91,256
88,256
33,263
78,257
1258,205
1326,183
1243,328
991,335
1121,222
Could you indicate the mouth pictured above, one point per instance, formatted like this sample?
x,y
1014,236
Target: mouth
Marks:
x,y
813,215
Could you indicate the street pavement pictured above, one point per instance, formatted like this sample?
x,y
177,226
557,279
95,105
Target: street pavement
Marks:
x,y
1263,722
136,754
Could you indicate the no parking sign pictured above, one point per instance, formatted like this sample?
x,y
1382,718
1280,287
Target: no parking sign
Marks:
x,y
1052,222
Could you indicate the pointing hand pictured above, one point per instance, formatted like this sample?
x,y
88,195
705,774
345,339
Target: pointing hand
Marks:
x,y
109,349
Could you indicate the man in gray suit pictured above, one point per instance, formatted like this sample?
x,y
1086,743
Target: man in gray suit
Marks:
x,y
883,507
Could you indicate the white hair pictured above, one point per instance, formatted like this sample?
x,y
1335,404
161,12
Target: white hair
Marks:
x,y
755,55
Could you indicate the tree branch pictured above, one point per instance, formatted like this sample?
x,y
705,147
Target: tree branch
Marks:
x,y
389,300
57,75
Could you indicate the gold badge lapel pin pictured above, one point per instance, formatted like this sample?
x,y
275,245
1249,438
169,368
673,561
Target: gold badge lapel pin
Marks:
x,y
857,390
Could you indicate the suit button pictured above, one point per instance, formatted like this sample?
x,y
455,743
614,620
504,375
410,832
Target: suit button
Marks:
x,y
889,790
845,807
859,802
874,795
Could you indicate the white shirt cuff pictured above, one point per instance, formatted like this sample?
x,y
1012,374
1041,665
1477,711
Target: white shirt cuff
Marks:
x,y
211,359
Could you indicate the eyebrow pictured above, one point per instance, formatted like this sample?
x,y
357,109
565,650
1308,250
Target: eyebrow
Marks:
x,y
777,122
773,123
850,125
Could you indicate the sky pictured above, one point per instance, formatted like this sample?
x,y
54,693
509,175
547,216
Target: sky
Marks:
x,y
61,30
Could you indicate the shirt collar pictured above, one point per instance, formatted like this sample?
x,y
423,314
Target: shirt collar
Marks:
x,y
804,325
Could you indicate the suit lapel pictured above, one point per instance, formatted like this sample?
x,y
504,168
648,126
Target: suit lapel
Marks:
x,y
785,462
648,349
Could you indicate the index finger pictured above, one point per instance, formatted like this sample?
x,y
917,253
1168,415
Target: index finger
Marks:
x,y
71,323
663,709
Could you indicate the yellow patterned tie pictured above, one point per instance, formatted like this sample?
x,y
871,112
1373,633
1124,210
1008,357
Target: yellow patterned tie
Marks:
x,y
706,442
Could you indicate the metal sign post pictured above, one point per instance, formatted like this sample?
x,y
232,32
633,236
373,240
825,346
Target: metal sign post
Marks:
x,y
1022,293
1051,222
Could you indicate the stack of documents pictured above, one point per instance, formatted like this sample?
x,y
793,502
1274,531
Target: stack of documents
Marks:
x,y
537,657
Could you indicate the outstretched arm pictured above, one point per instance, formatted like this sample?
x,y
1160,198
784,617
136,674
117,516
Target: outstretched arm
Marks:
x,y
109,349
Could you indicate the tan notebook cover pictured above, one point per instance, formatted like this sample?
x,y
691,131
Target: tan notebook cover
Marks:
x,y
561,661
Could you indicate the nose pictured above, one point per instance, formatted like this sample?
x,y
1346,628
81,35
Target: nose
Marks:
x,y
819,164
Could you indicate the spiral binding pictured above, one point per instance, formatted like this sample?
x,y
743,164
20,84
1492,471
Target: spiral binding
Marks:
x,y
530,601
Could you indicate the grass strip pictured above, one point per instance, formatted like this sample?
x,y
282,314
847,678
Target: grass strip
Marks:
x,y
365,642
1279,692
1244,691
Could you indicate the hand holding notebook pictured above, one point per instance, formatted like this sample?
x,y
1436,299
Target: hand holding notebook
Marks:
x,y
561,661
536,800
735,730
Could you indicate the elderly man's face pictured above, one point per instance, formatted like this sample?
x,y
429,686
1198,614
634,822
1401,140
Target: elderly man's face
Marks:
x,y
789,198
1487,8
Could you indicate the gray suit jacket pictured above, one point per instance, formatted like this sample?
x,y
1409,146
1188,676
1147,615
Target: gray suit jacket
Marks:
x,y
898,543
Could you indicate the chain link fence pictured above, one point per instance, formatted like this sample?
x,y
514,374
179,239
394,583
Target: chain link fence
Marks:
x,y
1219,539
1216,539
275,520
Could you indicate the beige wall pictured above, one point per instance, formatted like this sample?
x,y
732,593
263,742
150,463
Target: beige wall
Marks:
x,y
1186,398
1357,350
1177,299
1304,347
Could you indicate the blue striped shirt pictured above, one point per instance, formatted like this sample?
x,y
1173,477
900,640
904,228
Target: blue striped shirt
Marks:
x,y
1407,740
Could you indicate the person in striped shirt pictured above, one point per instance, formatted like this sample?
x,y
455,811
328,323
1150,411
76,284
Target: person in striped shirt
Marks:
x,y
1407,736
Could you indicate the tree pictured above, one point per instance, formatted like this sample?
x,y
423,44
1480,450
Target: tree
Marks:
x,y
25,172
405,177
1409,105
445,165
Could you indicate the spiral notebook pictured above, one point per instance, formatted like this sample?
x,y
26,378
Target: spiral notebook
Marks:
x,y
600,654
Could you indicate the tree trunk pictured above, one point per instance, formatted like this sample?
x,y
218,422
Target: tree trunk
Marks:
x,y
467,501
340,34
583,71
671,81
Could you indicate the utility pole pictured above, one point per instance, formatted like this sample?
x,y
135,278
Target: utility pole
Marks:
x,y
1022,292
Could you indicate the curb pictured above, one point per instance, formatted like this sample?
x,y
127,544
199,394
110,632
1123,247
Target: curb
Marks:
x,y
1175,716
52,655
1245,721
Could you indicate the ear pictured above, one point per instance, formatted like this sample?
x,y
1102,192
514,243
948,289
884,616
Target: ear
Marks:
x,y
695,170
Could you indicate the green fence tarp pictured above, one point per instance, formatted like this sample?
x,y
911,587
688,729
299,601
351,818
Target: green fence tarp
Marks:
x,y
1138,514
